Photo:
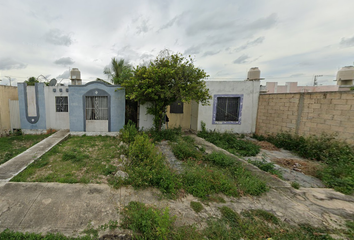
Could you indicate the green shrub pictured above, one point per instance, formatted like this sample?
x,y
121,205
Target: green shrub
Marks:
x,y
230,143
149,222
148,168
197,206
220,159
128,133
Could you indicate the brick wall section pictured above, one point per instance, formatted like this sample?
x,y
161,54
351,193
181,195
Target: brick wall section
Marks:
x,y
307,113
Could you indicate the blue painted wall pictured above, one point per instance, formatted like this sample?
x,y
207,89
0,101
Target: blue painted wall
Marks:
x,y
76,105
32,123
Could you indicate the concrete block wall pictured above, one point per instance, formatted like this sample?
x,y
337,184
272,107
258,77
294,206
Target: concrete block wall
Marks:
x,y
307,113
6,93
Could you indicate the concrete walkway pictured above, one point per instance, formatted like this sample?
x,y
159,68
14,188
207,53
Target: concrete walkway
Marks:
x,y
17,164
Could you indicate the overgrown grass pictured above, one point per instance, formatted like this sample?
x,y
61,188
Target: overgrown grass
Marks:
x,y
165,134
338,156
203,177
147,168
77,160
230,142
13,145
11,235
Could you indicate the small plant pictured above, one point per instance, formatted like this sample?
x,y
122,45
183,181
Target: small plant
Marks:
x,y
150,222
197,206
351,88
295,185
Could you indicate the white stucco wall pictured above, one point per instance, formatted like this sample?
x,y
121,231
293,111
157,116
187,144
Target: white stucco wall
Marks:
x,y
56,120
146,121
250,91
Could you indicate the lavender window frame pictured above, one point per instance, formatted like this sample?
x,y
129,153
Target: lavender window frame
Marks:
x,y
216,96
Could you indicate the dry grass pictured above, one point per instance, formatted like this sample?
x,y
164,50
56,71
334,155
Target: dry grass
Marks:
x,y
307,167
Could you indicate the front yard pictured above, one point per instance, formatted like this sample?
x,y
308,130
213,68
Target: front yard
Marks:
x,y
77,160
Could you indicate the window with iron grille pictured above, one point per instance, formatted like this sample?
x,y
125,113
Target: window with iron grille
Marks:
x,y
96,108
61,104
227,109
176,107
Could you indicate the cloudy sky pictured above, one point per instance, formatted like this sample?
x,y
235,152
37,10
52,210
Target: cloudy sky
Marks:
x,y
288,40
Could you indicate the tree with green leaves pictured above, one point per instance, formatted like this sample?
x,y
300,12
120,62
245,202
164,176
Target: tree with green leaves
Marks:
x,y
167,79
31,81
118,71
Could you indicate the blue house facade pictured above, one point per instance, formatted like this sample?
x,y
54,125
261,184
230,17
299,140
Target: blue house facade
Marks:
x,y
93,107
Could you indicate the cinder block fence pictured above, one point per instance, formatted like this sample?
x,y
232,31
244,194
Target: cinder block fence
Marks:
x,y
307,113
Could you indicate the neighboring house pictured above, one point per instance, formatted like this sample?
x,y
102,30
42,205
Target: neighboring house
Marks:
x,y
93,107
233,107
292,87
7,93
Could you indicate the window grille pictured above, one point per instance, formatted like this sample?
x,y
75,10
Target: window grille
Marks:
x,y
96,108
227,109
61,104
176,107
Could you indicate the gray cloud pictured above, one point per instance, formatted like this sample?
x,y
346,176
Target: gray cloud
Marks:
x,y
65,74
10,63
143,27
57,37
192,50
250,44
210,53
242,59
65,61
263,23
297,75
177,19
347,42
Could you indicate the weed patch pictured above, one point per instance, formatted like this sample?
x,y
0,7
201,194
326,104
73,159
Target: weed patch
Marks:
x,y
197,206
295,185
267,167
148,222
219,159
166,134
